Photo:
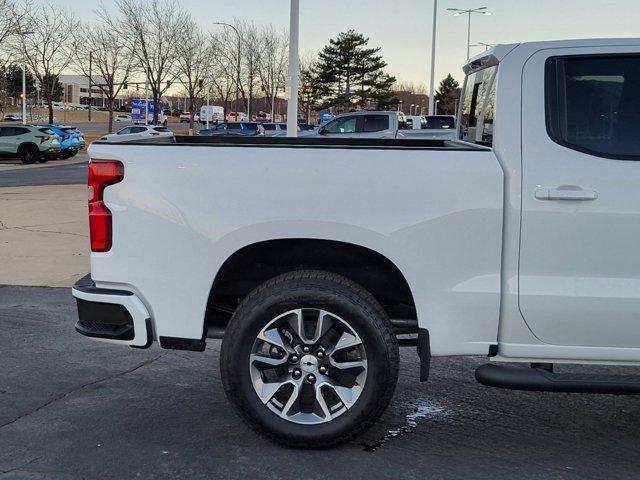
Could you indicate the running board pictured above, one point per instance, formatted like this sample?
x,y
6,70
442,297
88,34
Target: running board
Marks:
x,y
542,380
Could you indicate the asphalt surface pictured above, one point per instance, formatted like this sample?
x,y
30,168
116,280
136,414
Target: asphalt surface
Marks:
x,y
71,408
54,172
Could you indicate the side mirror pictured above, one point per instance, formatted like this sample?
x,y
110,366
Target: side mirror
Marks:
x,y
322,131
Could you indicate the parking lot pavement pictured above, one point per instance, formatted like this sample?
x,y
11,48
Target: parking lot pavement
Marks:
x,y
43,234
71,408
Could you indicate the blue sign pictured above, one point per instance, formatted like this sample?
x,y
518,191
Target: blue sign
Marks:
x,y
139,108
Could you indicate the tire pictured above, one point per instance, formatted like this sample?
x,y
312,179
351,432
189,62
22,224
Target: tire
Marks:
x,y
352,313
29,154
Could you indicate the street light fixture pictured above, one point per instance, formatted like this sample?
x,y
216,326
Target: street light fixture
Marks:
x,y
459,11
238,66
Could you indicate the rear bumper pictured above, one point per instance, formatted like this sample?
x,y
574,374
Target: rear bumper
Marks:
x,y
115,316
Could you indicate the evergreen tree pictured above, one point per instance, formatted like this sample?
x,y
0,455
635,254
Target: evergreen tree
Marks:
x,y
448,94
11,81
349,75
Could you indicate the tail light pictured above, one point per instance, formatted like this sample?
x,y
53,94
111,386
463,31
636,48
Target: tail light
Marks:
x,y
65,137
44,138
102,173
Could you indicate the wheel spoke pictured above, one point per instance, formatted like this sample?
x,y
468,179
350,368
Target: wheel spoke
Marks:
x,y
296,320
347,395
347,340
359,364
273,337
324,323
266,391
266,362
323,404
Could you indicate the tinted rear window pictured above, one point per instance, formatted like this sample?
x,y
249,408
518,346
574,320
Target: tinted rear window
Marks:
x,y
269,126
43,130
251,126
375,123
440,122
161,129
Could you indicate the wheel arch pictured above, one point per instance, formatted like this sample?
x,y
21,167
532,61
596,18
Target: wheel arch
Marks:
x,y
258,262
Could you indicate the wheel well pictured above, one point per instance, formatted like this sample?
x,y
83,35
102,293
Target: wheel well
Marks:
x,y
252,265
24,146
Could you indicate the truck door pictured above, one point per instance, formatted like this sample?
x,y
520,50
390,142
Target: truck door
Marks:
x,y
579,276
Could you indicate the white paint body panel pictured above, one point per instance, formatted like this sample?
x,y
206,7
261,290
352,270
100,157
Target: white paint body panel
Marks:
x,y
451,221
181,211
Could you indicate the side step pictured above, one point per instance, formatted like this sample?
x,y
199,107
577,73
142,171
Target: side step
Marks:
x,y
543,380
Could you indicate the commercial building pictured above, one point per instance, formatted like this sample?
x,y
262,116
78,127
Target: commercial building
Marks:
x,y
76,91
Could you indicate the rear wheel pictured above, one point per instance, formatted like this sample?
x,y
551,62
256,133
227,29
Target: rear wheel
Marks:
x,y
309,359
29,154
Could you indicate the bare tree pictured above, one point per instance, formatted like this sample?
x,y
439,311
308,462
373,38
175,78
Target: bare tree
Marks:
x,y
8,24
151,30
194,63
47,50
99,48
273,62
222,79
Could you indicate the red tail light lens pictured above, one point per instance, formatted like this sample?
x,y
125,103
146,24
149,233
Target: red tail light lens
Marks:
x,y
102,173
44,138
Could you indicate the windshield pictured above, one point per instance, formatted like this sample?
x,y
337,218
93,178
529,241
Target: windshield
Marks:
x,y
478,107
441,122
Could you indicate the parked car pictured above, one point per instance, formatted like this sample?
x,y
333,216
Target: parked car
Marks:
x,y
234,129
74,131
140,133
12,117
29,143
310,257
273,129
69,143
123,117
236,117
185,117
439,127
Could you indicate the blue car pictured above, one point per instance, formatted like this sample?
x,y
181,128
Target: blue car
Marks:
x,y
69,141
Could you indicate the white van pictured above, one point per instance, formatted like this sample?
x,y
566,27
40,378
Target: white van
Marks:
x,y
211,113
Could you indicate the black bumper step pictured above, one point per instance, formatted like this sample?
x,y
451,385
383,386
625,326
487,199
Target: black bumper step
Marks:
x,y
542,380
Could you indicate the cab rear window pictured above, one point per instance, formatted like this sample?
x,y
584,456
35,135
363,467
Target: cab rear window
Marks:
x,y
478,107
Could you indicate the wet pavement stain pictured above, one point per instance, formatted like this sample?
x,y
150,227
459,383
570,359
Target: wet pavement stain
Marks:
x,y
419,412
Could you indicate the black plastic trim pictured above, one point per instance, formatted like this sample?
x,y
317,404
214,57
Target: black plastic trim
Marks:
x,y
104,320
541,380
147,324
87,285
178,343
424,352
493,350
311,142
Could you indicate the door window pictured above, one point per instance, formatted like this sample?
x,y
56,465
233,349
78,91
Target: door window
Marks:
x,y
343,125
375,123
124,131
593,104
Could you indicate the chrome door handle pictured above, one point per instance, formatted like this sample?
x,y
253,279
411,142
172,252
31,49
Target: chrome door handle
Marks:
x,y
565,192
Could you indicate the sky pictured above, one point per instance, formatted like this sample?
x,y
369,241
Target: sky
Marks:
x,y
402,28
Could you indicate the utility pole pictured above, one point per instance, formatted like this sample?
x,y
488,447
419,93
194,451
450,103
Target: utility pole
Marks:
x,y
432,99
294,37
90,65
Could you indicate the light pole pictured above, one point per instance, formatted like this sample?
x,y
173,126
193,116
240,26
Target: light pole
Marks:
x,y
459,11
90,65
433,60
294,36
238,65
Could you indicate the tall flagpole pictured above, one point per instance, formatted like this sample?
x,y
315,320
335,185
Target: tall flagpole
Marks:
x,y
292,104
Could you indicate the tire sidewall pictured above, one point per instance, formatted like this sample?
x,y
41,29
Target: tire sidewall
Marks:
x,y
362,317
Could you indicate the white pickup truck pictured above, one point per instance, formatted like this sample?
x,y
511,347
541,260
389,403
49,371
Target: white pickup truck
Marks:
x,y
314,259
